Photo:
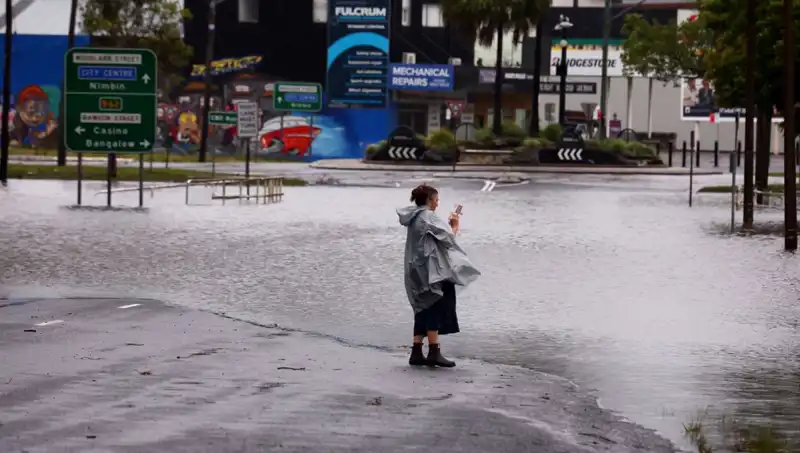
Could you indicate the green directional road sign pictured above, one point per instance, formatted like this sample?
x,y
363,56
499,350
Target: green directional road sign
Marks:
x,y
297,96
222,118
111,100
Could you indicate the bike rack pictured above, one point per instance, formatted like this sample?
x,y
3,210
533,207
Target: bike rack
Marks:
x,y
267,189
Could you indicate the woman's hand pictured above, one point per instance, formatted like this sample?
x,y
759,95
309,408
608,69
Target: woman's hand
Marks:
x,y
454,222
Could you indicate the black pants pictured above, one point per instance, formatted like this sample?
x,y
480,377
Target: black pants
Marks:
x,y
441,316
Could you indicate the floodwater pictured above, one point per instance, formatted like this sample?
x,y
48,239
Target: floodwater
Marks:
x,y
616,285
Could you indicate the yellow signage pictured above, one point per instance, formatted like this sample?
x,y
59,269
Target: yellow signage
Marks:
x,y
227,65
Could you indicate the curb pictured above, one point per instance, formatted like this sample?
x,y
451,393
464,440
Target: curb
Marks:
x,y
574,170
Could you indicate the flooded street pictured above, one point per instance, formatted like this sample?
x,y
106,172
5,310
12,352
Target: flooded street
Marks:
x,y
613,283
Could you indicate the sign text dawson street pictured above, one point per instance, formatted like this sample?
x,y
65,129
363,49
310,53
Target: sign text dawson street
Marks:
x,y
110,101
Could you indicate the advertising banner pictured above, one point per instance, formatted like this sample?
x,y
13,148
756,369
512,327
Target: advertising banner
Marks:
x,y
421,77
358,53
587,62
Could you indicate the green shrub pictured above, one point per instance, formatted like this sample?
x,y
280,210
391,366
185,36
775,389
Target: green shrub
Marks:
x,y
639,149
374,148
632,149
552,132
536,142
513,130
484,136
441,139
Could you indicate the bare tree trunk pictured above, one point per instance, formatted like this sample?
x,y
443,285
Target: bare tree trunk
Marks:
x,y
763,136
533,127
750,95
497,120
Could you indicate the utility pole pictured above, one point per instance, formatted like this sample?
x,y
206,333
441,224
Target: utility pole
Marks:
x,y
4,135
206,107
604,68
789,163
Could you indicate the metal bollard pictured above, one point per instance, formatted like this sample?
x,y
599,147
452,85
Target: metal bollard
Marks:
x,y
683,152
716,153
738,153
697,154
670,149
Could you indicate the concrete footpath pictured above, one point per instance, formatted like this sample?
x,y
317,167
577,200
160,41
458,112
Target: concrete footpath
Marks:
x,y
358,164
119,375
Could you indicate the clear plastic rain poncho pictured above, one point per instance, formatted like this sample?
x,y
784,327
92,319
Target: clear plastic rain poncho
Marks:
x,y
432,257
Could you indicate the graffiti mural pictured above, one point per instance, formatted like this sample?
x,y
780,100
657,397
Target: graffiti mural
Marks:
x,y
35,116
332,133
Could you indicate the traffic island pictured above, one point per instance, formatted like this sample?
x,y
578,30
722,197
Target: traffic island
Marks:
x,y
510,148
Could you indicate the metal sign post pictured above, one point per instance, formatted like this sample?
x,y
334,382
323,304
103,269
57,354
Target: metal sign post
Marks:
x,y
691,173
734,190
247,128
109,103
220,119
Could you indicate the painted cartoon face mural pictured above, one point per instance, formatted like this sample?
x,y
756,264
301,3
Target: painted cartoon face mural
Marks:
x,y
35,120
187,131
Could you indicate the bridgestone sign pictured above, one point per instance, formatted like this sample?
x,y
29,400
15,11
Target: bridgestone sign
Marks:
x,y
584,62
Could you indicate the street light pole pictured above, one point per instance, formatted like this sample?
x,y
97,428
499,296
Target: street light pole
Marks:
x,y
789,163
563,25
604,68
206,107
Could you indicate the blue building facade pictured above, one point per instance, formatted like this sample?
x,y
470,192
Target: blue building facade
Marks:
x,y
37,63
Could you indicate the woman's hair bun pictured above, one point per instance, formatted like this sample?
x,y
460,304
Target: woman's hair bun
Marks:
x,y
422,193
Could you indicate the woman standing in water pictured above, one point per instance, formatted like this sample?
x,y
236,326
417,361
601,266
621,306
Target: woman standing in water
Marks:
x,y
434,264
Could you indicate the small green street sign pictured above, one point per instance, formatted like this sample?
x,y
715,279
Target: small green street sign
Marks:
x,y
111,100
297,96
222,118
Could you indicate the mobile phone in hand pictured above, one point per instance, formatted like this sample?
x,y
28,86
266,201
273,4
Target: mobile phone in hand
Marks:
x,y
458,209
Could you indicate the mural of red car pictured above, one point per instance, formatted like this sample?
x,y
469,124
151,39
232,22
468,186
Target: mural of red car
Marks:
x,y
295,137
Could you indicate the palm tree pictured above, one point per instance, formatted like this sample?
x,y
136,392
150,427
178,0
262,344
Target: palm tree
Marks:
x,y
487,20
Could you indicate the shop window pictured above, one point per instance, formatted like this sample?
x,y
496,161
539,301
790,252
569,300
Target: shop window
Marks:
x,y
550,113
320,11
406,13
432,15
248,11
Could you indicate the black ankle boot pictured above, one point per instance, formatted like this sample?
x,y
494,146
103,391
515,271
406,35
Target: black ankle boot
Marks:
x,y
417,358
435,357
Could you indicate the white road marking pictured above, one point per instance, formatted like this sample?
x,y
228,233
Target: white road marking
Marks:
x,y
49,323
129,306
488,186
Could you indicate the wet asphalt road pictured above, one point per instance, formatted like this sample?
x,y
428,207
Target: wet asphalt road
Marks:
x,y
612,282
132,375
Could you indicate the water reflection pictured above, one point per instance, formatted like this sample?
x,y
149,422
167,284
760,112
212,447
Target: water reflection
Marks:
x,y
627,292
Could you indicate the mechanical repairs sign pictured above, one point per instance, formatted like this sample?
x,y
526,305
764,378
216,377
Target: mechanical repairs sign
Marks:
x,y
358,53
422,77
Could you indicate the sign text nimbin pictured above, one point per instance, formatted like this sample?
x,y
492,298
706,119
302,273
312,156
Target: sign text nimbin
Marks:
x,y
110,100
